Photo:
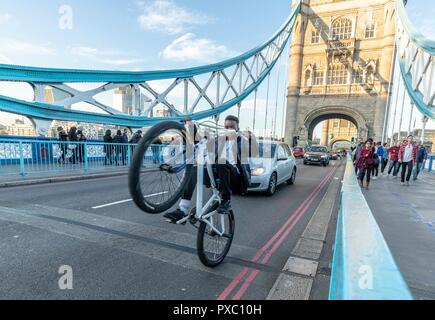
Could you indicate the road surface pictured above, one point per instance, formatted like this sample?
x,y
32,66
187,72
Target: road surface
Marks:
x,y
118,252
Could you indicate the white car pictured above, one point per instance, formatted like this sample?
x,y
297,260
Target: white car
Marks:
x,y
275,165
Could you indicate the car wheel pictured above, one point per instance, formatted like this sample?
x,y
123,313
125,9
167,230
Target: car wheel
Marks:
x,y
305,163
272,184
292,180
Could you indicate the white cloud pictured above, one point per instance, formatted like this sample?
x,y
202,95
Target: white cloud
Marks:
x,y
165,15
11,47
191,48
110,57
4,59
5,18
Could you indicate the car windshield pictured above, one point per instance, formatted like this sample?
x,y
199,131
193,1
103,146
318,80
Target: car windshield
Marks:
x,y
267,150
298,149
318,149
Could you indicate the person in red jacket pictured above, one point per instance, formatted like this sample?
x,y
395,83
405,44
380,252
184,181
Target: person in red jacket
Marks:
x,y
365,164
408,158
394,159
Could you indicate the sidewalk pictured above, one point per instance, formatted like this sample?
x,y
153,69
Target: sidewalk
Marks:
x,y
406,216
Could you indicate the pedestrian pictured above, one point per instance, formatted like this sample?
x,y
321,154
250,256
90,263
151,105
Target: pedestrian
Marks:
x,y
384,159
356,153
124,147
81,138
117,140
421,159
136,137
72,137
156,148
376,163
408,158
63,146
108,148
393,152
364,164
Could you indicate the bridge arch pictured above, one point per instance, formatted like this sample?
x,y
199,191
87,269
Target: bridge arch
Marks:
x,y
337,140
313,118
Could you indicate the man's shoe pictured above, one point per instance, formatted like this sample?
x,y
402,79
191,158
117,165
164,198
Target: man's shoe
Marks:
x,y
224,207
402,184
175,216
407,183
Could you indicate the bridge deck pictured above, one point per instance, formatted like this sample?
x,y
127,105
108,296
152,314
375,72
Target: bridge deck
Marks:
x,y
406,216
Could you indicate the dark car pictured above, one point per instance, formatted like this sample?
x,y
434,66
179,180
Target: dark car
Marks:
x,y
317,154
298,152
334,155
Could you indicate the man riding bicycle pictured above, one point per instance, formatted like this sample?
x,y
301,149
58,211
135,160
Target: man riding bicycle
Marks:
x,y
231,169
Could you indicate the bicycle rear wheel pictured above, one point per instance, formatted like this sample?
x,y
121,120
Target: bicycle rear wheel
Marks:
x,y
159,172
213,248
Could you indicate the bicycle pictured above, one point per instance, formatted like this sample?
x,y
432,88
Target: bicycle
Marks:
x,y
156,187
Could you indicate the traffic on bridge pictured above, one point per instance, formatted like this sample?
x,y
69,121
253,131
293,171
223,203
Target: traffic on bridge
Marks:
x,y
230,172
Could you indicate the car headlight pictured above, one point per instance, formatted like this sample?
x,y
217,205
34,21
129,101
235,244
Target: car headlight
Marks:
x,y
324,157
306,156
258,171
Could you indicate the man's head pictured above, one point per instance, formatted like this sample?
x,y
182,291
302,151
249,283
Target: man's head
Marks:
x,y
125,130
410,139
232,123
359,141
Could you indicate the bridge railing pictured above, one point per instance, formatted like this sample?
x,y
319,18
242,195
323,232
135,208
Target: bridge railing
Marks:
x,y
363,267
430,163
27,157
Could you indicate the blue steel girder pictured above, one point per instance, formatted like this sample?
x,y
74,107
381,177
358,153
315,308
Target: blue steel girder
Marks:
x,y
416,55
233,81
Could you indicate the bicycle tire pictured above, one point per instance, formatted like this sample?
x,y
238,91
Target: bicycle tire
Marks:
x,y
135,169
202,231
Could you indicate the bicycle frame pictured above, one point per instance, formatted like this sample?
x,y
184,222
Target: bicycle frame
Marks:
x,y
203,162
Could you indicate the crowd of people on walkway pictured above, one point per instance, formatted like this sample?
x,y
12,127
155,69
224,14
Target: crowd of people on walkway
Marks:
x,y
372,160
115,152
77,150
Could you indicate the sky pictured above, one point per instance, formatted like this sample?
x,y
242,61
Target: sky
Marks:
x,y
150,35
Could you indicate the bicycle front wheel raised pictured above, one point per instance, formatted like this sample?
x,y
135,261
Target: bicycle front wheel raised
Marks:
x,y
212,247
160,168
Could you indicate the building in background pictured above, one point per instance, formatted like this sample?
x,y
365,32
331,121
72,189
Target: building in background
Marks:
x,y
3,129
338,130
130,101
21,128
340,64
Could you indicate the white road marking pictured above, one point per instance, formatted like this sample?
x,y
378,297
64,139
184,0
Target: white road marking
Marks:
x,y
127,200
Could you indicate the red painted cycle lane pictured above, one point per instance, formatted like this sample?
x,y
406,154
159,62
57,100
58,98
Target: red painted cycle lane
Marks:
x,y
277,239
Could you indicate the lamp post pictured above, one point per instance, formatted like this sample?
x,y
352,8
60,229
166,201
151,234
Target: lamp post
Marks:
x,y
423,132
